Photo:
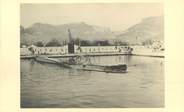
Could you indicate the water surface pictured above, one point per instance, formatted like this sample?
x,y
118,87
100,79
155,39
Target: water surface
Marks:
x,y
51,86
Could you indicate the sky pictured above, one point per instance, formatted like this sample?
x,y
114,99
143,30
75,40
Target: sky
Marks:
x,y
116,16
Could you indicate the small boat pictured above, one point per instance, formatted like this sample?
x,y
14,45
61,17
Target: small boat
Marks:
x,y
120,68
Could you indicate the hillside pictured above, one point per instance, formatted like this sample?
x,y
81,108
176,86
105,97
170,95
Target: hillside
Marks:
x,y
151,28
46,32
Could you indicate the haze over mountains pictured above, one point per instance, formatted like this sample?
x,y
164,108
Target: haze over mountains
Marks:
x,y
149,28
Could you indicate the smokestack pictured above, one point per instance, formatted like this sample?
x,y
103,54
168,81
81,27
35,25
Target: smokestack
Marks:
x,y
70,36
70,44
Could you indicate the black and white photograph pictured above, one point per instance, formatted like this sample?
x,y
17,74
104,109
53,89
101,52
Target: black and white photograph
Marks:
x,y
92,55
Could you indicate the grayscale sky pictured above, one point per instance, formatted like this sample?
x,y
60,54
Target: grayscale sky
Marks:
x,y
113,15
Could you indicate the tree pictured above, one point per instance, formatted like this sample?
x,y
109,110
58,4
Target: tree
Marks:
x,y
77,41
118,42
101,42
105,43
39,44
85,43
53,42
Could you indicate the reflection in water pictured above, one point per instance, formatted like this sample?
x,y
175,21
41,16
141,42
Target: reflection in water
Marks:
x,y
52,86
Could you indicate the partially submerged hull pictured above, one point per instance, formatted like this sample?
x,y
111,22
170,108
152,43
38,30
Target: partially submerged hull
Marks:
x,y
47,60
121,68
109,69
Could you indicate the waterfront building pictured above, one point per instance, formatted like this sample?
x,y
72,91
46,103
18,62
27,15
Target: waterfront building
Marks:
x,y
158,45
51,50
77,49
102,49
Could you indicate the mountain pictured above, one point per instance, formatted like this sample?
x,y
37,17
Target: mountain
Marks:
x,y
151,28
47,32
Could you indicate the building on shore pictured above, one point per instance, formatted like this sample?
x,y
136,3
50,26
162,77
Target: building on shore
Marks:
x,y
77,49
102,49
158,45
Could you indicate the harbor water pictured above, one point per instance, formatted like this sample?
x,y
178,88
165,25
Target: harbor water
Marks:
x,y
52,86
